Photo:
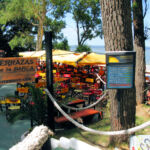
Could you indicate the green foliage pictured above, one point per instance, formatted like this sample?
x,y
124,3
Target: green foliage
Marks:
x,y
62,45
134,5
34,106
21,40
7,13
33,10
56,26
86,14
60,7
16,115
39,13
18,34
4,42
83,48
39,107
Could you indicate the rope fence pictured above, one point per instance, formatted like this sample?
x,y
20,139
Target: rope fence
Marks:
x,y
89,106
99,77
108,133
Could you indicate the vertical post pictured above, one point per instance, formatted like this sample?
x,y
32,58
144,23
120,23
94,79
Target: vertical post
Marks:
x,y
31,115
49,79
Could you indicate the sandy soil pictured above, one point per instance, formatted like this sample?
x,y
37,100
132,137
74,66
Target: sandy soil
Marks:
x,y
143,111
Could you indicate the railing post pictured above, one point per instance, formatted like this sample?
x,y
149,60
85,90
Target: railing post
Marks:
x,y
49,79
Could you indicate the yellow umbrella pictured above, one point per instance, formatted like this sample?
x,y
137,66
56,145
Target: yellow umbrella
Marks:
x,y
32,53
92,59
41,54
70,58
61,52
59,56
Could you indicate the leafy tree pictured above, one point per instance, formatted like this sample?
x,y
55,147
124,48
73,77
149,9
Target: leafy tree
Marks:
x,y
86,14
3,40
62,45
56,26
4,43
83,48
37,12
19,35
116,16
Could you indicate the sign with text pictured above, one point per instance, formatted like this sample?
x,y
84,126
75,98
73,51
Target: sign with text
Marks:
x,y
120,69
17,69
140,142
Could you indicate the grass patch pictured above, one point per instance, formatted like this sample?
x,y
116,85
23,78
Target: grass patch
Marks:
x,y
142,117
139,120
104,125
99,140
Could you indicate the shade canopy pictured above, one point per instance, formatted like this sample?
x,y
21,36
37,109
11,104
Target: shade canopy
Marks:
x,y
68,57
92,59
32,54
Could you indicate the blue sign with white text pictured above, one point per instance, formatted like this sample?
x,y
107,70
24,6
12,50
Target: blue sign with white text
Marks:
x,y
120,70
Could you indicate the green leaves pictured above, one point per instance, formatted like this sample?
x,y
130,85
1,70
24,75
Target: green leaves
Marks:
x,y
60,7
83,48
21,40
11,10
39,13
134,5
62,45
86,14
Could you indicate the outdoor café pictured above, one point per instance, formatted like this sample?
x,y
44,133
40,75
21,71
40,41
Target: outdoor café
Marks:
x,y
79,79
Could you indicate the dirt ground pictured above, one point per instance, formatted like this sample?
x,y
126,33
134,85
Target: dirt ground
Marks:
x,y
143,111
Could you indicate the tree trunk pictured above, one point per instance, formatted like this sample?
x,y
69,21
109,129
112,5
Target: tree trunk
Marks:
x,y
41,19
39,37
139,46
78,32
116,16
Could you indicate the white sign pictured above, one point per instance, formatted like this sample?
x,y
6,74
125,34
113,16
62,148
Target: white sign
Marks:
x,y
140,142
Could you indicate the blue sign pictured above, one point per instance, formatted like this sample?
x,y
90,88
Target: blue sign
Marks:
x,y
120,70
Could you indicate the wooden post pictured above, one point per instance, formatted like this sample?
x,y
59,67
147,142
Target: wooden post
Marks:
x,y
49,79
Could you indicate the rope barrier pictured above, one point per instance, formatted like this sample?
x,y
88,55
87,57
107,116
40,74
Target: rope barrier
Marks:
x,y
92,105
108,133
101,79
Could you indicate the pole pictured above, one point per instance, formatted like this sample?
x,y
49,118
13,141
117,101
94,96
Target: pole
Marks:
x,y
49,79
31,115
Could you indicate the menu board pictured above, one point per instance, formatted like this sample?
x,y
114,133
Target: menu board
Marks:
x,y
17,69
120,70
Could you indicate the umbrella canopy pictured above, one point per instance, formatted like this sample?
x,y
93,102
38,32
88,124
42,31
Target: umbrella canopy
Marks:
x,y
65,57
32,54
92,59
41,54
70,58
61,52
148,68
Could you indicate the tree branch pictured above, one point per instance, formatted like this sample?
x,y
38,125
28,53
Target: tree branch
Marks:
x,y
34,24
146,8
83,39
